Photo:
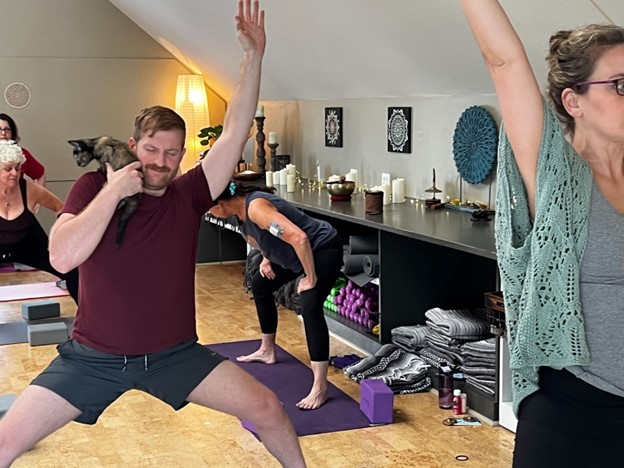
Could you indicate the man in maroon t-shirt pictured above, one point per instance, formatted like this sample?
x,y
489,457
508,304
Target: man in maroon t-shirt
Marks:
x,y
135,325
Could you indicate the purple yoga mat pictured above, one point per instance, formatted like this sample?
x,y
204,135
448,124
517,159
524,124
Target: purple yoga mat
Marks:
x,y
291,380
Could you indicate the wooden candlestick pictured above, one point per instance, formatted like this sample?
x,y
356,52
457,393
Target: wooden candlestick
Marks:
x,y
260,152
272,149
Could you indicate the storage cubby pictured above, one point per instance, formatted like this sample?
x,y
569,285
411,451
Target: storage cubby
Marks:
x,y
428,258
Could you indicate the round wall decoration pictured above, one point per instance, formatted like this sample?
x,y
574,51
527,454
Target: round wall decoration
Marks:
x,y
17,95
474,144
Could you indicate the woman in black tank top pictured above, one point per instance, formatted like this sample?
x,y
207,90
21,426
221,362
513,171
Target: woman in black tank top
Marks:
x,y
22,239
292,244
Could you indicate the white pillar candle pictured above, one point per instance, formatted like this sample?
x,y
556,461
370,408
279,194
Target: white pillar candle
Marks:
x,y
283,173
291,168
334,178
319,176
398,191
290,183
272,137
355,176
276,178
350,177
260,111
269,178
385,188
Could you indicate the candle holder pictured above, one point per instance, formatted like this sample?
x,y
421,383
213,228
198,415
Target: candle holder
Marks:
x,y
260,153
272,149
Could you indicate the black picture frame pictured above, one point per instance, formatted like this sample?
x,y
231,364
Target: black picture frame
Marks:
x,y
399,130
334,127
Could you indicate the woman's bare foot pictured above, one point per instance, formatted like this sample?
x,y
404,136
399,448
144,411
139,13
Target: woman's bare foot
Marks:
x,y
267,357
313,401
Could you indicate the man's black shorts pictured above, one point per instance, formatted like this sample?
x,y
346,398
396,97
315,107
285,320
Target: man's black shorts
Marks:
x,y
91,380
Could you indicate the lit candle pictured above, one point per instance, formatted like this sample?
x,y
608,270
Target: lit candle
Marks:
x,y
386,193
272,137
260,111
290,183
352,176
398,190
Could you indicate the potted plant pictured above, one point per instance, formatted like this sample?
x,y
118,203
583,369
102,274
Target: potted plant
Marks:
x,y
208,136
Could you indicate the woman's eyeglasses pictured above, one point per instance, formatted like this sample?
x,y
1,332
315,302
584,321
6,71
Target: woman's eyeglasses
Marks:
x,y
5,130
618,84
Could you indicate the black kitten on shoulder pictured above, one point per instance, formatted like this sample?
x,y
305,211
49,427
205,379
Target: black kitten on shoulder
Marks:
x,y
118,154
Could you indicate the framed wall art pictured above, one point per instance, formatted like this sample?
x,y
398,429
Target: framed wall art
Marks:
x,y
399,129
333,127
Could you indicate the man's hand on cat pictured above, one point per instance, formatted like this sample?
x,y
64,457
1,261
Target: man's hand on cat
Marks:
x,y
127,181
250,26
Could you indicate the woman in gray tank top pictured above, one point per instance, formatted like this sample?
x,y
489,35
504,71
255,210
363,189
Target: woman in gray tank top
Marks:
x,y
559,224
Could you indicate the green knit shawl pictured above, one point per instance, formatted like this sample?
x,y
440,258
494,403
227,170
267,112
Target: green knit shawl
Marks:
x,y
539,261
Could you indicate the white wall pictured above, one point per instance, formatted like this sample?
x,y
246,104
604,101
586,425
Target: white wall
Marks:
x,y
300,125
90,70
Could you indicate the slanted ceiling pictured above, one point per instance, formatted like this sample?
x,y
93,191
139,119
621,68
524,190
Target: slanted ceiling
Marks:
x,y
337,49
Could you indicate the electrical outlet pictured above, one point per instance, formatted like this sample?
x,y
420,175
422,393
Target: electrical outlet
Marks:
x,y
385,178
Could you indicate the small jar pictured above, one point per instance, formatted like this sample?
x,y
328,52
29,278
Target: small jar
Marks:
x,y
373,201
457,402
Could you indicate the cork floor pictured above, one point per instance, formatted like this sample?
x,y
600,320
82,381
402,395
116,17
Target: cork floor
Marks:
x,y
140,431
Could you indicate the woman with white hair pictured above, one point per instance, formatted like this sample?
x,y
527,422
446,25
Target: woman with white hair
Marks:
x,y
22,239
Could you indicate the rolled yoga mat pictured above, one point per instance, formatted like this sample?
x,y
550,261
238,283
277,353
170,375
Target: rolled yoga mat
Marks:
x,y
362,244
353,264
371,265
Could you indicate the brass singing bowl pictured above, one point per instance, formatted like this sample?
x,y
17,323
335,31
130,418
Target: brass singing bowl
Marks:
x,y
340,189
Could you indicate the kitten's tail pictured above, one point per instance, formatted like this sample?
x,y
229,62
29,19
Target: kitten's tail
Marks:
x,y
127,206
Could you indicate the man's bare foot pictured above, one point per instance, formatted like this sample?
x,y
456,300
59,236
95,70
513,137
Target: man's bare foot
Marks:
x,y
313,401
267,357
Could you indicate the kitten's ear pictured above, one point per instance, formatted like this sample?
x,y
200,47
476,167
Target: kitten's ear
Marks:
x,y
74,143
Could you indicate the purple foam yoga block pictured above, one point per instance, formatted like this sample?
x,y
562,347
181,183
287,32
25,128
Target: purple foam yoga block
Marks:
x,y
376,401
249,426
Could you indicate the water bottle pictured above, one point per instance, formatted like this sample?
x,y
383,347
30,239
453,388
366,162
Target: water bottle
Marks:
x,y
445,387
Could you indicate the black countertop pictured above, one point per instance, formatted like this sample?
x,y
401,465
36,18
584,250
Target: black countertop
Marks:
x,y
412,219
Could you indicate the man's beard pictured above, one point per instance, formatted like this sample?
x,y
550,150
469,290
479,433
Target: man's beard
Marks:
x,y
157,178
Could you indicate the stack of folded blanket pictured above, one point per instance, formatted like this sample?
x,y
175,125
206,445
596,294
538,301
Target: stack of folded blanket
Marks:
x,y
449,330
402,371
411,338
479,364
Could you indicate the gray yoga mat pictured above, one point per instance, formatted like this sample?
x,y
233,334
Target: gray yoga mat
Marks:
x,y
17,332
353,264
362,244
371,265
